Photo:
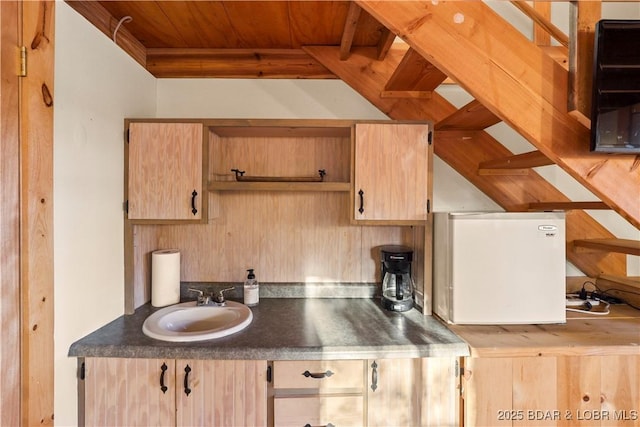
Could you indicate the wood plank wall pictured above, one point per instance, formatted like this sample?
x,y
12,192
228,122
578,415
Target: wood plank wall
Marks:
x,y
288,236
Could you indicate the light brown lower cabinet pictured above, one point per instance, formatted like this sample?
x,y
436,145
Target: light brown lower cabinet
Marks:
x,y
380,392
557,391
155,392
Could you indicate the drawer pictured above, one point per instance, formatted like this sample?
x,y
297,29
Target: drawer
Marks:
x,y
318,374
343,411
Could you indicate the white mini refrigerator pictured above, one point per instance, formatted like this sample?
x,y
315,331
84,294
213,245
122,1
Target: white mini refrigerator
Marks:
x,y
499,268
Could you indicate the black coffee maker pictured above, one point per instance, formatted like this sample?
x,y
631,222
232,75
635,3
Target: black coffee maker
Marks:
x,y
397,283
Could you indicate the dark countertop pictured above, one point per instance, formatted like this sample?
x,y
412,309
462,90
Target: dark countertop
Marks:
x,y
290,329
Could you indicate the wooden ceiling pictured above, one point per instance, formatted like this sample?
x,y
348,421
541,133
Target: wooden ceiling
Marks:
x,y
245,39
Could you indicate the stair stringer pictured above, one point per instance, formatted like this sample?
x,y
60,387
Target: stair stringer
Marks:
x,y
518,82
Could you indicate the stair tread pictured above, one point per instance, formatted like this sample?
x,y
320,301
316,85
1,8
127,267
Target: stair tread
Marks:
x,y
530,159
415,73
473,116
546,206
626,246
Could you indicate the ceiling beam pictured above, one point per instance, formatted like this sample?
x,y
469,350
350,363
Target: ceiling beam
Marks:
x,y
235,63
464,150
513,77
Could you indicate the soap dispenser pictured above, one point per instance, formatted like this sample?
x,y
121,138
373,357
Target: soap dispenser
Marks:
x,y
251,289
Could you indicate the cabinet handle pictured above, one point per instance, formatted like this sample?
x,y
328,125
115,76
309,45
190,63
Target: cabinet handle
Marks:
x,y
361,194
326,425
374,376
193,202
163,387
187,390
317,375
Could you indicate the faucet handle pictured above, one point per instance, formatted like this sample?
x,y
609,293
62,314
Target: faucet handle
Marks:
x,y
202,299
200,293
219,299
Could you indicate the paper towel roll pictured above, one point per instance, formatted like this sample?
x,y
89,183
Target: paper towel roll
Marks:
x,y
165,277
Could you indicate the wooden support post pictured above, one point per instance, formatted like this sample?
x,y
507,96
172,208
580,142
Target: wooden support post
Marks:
x,y
36,214
9,216
350,26
583,18
541,36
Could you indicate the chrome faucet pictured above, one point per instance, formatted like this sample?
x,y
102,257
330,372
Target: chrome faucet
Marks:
x,y
210,299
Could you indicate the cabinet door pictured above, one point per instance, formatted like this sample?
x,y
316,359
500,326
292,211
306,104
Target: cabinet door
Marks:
x,y
221,393
563,391
128,392
392,165
412,392
165,171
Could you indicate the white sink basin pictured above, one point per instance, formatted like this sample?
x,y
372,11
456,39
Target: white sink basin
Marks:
x,y
190,322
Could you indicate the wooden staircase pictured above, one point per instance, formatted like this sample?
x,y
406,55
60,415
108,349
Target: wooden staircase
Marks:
x,y
512,80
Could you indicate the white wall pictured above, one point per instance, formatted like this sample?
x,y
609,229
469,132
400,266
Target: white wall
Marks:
x,y
96,86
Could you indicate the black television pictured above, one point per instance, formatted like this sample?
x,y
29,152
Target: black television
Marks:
x,y
615,104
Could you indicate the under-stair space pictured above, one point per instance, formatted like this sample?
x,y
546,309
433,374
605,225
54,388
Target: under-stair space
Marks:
x,y
524,83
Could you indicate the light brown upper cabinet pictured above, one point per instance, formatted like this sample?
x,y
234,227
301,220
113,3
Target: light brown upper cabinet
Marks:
x,y
165,171
391,173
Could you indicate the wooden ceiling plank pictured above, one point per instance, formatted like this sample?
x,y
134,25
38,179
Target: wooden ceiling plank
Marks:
x,y
318,23
582,20
201,24
235,63
150,24
260,24
415,73
464,150
531,159
508,73
350,25
473,116
93,12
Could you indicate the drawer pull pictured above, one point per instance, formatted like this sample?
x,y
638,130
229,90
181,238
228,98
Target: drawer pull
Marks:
x,y
194,210
163,387
326,425
187,389
317,375
374,376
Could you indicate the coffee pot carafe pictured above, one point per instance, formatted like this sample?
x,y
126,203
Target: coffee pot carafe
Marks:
x,y
397,283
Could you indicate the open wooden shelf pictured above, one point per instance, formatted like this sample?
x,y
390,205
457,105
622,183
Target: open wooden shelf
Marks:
x,y
625,246
278,186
